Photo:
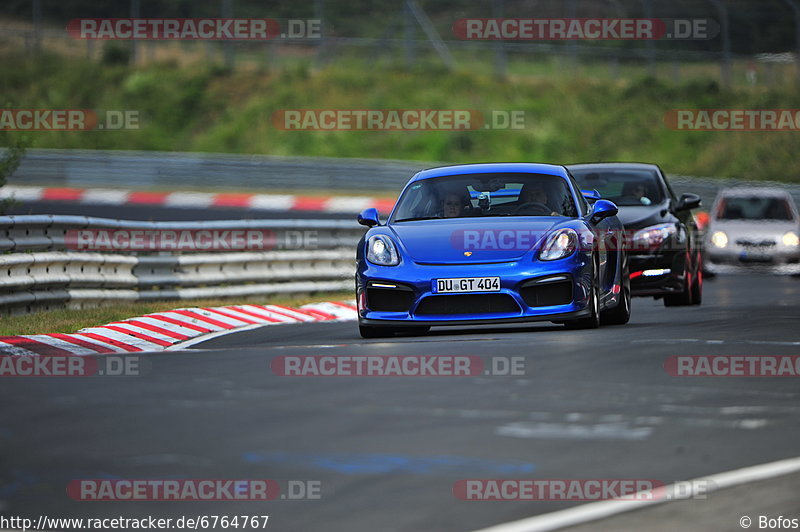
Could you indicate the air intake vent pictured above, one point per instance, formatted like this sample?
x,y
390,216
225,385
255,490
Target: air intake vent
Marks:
x,y
468,304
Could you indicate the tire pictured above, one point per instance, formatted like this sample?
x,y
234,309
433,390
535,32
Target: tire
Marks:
x,y
621,314
368,331
697,286
593,320
682,298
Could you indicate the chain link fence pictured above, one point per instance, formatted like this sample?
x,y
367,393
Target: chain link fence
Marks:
x,y
417,33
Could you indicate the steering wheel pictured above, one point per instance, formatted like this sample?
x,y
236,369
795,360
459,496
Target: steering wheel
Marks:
x,y
533,207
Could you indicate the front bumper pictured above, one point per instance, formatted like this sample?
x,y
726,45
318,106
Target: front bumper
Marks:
x,y
657,273
735,254
514,277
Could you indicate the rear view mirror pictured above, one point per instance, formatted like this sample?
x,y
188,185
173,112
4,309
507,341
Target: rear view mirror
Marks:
x,y
369,217
688,202
491,185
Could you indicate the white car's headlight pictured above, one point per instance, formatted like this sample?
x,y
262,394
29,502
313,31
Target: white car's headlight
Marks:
x,y
790,239
382,251
559,244
653,236
719,239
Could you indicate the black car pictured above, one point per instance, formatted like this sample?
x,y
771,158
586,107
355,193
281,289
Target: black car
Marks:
x,y
665,248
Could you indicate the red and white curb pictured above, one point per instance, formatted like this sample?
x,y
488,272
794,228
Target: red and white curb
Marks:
x,y
270,202
173,329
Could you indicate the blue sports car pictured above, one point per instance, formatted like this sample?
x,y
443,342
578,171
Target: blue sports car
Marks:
x,y
491,243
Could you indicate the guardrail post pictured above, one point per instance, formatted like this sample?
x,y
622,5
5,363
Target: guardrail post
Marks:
x,y
37,25
409,33
650,50
796,9
725,30
227,45
499,46
136,12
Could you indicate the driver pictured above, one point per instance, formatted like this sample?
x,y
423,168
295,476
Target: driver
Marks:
x,y
534,193
637,191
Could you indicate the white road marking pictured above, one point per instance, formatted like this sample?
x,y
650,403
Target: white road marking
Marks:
x,y
194,341
595,511
572,431
712,342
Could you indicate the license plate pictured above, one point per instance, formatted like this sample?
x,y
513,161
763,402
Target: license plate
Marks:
x,y
466,284
754,254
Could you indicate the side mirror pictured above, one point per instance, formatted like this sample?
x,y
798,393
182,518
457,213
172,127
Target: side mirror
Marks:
x,y
602,210
688,202
369,217
591,195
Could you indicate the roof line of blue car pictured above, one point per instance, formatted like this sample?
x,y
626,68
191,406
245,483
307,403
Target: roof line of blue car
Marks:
x,y
481,168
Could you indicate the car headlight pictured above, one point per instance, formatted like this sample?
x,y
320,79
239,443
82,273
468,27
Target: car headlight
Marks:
x,y
653,236
790,239
719,239
559,244
382,251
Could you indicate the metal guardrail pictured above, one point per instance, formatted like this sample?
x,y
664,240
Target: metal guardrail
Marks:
x,y
48,232
141,169
39,271
175,171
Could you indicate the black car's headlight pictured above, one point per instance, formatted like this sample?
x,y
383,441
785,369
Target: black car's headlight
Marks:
x,y
559,244
382,251
653,236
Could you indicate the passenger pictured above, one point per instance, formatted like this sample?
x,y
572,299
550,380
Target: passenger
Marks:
x,y
452,206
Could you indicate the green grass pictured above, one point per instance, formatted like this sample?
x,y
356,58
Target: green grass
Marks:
x,y
69,320
570,116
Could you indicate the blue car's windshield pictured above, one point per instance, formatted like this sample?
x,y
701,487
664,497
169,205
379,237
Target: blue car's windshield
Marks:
x,y
485,195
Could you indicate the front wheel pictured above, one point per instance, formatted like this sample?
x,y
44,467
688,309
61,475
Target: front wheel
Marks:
x,y
684,297
593,320
621,314
697,287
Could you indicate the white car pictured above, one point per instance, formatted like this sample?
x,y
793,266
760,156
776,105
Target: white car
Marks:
x,y
753,226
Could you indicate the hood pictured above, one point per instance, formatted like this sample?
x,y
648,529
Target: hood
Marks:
x,y
500,239
638,217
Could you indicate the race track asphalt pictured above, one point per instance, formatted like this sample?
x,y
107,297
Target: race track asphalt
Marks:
x,y
388,450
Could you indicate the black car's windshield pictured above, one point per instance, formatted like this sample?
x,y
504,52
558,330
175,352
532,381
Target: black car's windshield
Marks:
x,y
754,208
486,195
623,187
